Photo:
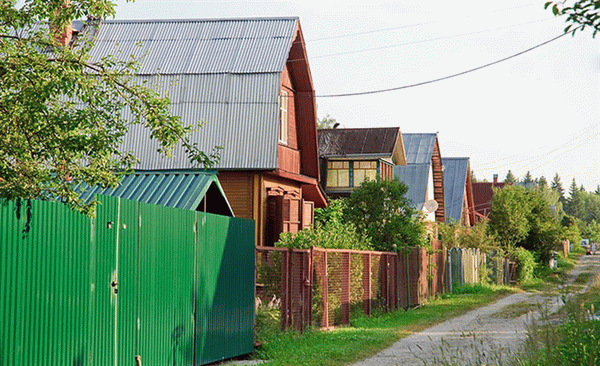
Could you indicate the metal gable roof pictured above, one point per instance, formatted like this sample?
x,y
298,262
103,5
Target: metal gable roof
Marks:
x,y
419,147
455,178
416,177
201,46
184,190
222,73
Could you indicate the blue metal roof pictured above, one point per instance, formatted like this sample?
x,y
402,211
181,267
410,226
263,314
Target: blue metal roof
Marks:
x,y
419,147
455,179
416,177
185,190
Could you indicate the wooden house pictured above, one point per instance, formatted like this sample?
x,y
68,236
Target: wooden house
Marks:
x,y
351,155
424,174
248,81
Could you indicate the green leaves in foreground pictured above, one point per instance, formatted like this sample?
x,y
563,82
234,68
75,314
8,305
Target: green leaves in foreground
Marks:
x,y
63,115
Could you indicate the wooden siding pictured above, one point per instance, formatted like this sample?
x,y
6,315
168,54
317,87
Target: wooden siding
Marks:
x,y
438,182
288,86
238,187
289,159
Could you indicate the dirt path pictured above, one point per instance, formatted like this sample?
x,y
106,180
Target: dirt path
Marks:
x,y
487,335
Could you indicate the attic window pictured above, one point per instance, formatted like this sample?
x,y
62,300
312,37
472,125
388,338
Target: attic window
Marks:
x,y
283,117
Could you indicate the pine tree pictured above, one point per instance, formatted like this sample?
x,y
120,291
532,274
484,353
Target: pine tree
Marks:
x,y
542,182
528,178
556,185
510,177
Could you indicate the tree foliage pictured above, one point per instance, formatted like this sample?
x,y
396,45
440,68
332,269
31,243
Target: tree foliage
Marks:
x,y
326,122
62,115
380,209
579,14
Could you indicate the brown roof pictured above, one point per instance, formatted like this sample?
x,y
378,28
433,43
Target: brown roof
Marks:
x,y
358,141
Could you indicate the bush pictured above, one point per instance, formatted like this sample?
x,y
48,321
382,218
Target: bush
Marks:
x,y
525,263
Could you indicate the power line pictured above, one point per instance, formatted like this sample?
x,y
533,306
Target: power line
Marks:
x,y
401,27
446,77
421,41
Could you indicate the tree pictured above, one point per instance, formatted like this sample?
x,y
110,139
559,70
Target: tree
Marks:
x,y
380,209
509,215
510,177
528,178
62,115
582,14
556,185
326,122
542,182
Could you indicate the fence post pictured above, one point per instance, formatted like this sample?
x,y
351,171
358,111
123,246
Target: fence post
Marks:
x,y
325,285
367,303
345,288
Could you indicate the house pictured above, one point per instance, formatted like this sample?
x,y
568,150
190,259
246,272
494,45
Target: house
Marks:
x,y
458,192
248,81
482,197
351,155
423,174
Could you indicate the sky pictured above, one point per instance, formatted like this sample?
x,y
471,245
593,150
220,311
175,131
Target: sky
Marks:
x,y
536,111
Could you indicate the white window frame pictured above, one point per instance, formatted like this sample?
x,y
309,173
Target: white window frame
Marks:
x,y
283,117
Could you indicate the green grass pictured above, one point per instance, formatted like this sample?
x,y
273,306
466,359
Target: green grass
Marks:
x,y
368,335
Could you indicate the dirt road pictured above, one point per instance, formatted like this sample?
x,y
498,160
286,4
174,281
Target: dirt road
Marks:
x,y
488,335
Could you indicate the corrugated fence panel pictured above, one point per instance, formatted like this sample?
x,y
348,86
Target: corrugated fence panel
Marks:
x,y
103,268
166,275
225,295
127,283
81,291
45,285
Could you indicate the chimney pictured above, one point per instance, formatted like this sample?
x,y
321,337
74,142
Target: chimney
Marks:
x,y
63,36
495,178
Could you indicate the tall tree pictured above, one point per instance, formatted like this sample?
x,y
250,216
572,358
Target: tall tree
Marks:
x,y
556,185
62,115
510,177
528,178
542,182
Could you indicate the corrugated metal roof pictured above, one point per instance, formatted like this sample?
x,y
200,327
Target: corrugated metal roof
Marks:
x,y
184,190
455,179
240,114
202,46
419,147
225,73
416,177
358,141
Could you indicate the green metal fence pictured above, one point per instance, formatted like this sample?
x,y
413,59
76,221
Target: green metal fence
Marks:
x,y
169,286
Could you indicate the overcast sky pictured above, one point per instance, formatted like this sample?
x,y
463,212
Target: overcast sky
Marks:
x,y
534,112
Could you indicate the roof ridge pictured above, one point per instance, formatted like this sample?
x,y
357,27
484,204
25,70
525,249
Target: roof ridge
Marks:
x,y
189,20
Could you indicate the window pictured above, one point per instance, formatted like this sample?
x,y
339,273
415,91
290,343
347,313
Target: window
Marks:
x,y
364,170
338,174
283,117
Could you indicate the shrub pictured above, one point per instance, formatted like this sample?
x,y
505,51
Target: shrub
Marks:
x,y
525,263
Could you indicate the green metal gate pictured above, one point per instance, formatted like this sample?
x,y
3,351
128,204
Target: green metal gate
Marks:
x,y
168,285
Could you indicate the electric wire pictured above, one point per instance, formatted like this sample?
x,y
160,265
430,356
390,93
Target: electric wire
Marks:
x,y
449,76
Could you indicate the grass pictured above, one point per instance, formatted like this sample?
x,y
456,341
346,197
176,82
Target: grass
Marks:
x,y
368,335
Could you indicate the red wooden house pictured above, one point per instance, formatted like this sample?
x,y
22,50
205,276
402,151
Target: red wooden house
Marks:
x,y
249,82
